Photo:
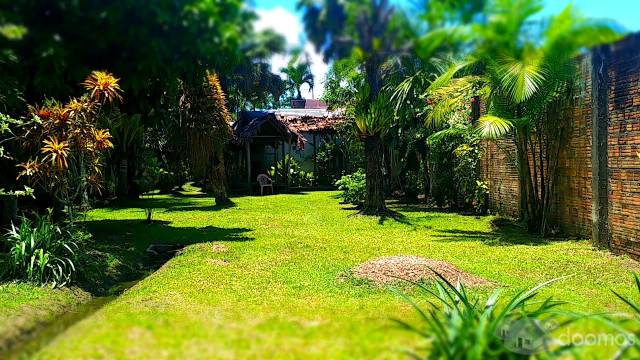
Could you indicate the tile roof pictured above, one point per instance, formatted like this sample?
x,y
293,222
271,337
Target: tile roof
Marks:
x,y
309,120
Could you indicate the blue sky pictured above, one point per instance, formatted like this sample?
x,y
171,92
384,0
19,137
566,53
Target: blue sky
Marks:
x,y
626,12
281,15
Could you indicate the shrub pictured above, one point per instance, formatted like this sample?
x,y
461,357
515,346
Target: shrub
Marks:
x,y
297,176
457,326
353,188
40,251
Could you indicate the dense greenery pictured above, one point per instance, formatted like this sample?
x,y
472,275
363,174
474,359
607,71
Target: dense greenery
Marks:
x,y
353,187
527,84
40,251
289,170
412,84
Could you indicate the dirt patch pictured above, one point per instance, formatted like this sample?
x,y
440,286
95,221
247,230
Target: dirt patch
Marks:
x,y
390,269
218,262
219,248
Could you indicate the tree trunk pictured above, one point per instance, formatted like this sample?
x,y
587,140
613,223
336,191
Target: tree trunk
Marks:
x,y
528,201
374,199
123,178
217,181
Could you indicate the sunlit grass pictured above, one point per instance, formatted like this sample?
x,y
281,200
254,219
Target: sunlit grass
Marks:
x,y
279,291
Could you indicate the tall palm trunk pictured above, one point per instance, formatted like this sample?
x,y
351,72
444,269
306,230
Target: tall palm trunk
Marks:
x,y
374,199
217,178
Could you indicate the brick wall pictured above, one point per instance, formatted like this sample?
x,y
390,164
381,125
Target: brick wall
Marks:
x,y
624,144
572,203
499,171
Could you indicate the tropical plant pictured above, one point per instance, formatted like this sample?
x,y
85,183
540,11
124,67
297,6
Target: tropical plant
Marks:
x,y
147,177
353,188
471,188
631,335
206,125
67,147
527,68
290,170
298,72
365,31
128,138
456,325
373,120
39,251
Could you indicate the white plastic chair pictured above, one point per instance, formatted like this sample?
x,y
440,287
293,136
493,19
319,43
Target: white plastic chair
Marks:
x,y
265,182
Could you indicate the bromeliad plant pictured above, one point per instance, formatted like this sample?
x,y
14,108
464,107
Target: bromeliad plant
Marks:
x,y
373,121
458,326
66,144
631,336
39,251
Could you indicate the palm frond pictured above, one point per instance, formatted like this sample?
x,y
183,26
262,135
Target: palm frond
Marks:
x,y
521,78
493,127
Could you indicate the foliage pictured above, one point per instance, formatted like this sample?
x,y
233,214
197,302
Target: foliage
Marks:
x,y
295,175
632,336
147,177
442,164
40,251
353,188
458,326
371,118
206,125
298,72
525,75
467,173
174,39
368,33
67,147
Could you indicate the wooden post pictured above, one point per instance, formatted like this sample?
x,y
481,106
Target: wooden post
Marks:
x,y
248,149
315,157
275,161
284,166
599,147
287,167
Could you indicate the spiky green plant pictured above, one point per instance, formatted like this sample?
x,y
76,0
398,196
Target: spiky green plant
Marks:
x,y
39,251
628,327
456,325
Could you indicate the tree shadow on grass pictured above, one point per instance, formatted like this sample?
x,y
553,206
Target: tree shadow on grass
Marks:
x,y
117,252
504,232
228,205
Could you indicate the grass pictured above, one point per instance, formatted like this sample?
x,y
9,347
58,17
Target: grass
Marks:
x,y
23,306
280,290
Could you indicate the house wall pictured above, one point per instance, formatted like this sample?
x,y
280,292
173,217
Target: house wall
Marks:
x,y
572,210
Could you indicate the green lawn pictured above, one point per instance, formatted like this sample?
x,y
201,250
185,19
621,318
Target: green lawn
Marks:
x,y
279,291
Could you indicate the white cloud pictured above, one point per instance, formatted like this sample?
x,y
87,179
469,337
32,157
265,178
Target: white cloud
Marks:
x,y
289,25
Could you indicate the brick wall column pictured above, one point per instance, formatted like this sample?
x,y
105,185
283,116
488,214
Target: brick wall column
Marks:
x,y
599,147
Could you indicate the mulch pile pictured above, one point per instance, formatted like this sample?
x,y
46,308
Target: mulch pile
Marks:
x,y
390,269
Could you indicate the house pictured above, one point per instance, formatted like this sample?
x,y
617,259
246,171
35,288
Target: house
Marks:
x,y
263,138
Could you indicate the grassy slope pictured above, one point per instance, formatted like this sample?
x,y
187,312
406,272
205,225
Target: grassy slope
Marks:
x,y
23,306
278,295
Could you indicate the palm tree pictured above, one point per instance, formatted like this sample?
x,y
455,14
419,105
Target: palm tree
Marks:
x,y
298,73
523,69
363,29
